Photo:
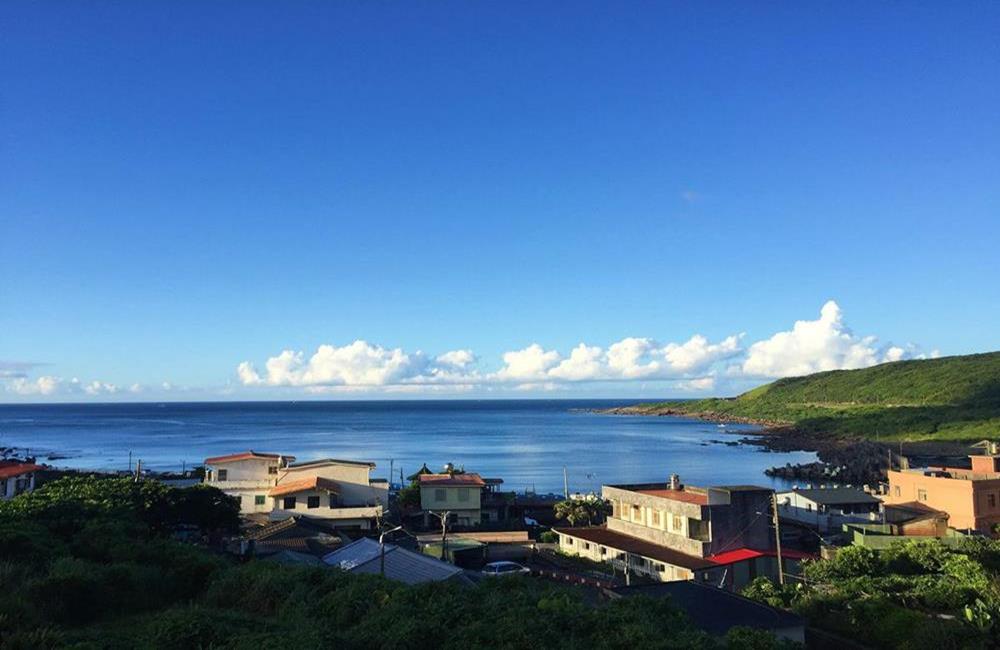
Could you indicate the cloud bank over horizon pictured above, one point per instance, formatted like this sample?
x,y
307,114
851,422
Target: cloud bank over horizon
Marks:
x,y
696,365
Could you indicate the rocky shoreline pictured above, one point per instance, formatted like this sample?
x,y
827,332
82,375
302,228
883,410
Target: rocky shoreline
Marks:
x,y
844,461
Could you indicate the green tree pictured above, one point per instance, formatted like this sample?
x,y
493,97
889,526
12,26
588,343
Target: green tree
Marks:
x,y
590,510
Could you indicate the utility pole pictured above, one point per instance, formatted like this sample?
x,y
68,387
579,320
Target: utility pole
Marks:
x,y
565,483
129,461
443,516
777,538
381,548
392,463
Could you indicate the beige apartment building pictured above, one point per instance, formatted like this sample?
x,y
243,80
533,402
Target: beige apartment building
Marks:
x,y
340,492
717,535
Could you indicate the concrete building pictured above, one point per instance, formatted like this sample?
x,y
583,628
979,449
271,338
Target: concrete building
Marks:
x,y
330,489
16,478
339,491
247,476
716,535
458,494
971,497
828,509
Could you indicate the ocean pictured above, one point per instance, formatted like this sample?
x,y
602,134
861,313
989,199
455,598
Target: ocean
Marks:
x,y
527,443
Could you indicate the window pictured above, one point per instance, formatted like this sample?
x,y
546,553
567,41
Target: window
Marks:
x,y
333,501
656,518
223,474
208,477
569,541
636,513
272,469
604,550
678,523
991,499
440,495
312,502
660,567
239,499
921,495
586,546
895,490
288,503
463,494
699,530
259,500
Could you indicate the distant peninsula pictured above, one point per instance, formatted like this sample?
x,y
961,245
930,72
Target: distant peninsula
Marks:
x,y
949,399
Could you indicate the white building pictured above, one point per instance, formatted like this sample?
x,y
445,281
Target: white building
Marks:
x,y
826,509
330,489
16,477
339,491
248,476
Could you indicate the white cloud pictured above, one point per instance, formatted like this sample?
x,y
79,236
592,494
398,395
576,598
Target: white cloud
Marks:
x,y
817,345
584,362
50,386
696,364
100,388
533,363
357,364
702,384
457,359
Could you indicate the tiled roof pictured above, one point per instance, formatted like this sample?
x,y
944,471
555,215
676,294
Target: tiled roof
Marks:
x,y
11,468
686,496
245,455
449,480
311,483
619,541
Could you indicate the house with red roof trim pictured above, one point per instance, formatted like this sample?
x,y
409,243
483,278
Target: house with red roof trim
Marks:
x,y
340,492
16,477
669,531
457,493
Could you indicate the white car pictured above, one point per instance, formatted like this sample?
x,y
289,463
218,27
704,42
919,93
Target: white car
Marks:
x,y
505,569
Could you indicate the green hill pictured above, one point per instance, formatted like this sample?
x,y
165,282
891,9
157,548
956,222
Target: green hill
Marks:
x,y
951,398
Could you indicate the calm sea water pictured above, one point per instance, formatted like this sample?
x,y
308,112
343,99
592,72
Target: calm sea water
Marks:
x,y
527,442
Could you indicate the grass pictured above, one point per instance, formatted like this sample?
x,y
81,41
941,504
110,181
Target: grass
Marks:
x,y
946,399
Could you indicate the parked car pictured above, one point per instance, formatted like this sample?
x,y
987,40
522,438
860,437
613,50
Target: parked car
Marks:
x,y
505,569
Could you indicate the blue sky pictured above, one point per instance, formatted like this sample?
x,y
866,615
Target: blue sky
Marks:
x,y
185,187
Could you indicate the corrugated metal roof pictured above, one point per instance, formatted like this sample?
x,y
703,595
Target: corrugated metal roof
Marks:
x,y
834,496
401,564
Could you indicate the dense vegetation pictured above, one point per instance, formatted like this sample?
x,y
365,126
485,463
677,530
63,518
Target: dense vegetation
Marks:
x,y
952,398
91,563
913,595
